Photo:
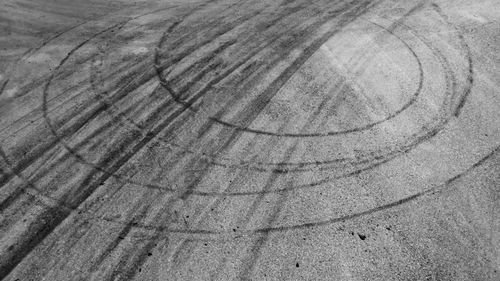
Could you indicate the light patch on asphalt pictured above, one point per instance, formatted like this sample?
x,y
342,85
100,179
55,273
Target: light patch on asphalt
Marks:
x,y
136,50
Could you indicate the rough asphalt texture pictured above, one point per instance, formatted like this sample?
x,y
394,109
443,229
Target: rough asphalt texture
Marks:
x,y
250,140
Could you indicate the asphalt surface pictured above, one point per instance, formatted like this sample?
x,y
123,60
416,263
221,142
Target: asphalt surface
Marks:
x,y
249,140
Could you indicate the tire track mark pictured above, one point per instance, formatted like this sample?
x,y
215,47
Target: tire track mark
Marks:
x,y
366,127
465,46
131,18
340,160
250,193
272,178
141,258
128,84
165,83
249,263
26,162
290,70
66,134
247,193
407,199
295,166
23,164
435,189
137,258
54,217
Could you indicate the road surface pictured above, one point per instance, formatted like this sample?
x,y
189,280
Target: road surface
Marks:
x,y
249,140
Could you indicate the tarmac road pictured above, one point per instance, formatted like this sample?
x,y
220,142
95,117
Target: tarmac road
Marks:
x,y
249,140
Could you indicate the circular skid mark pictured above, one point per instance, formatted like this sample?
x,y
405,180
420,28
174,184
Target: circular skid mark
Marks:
x,y
241,233
435,189
261,230
286,167
283,167
190,104
230,234
373,160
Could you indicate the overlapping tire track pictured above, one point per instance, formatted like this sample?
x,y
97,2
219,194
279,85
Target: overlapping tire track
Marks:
x,y
59,216
133,258
140,255
230,194
252,193
53,215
